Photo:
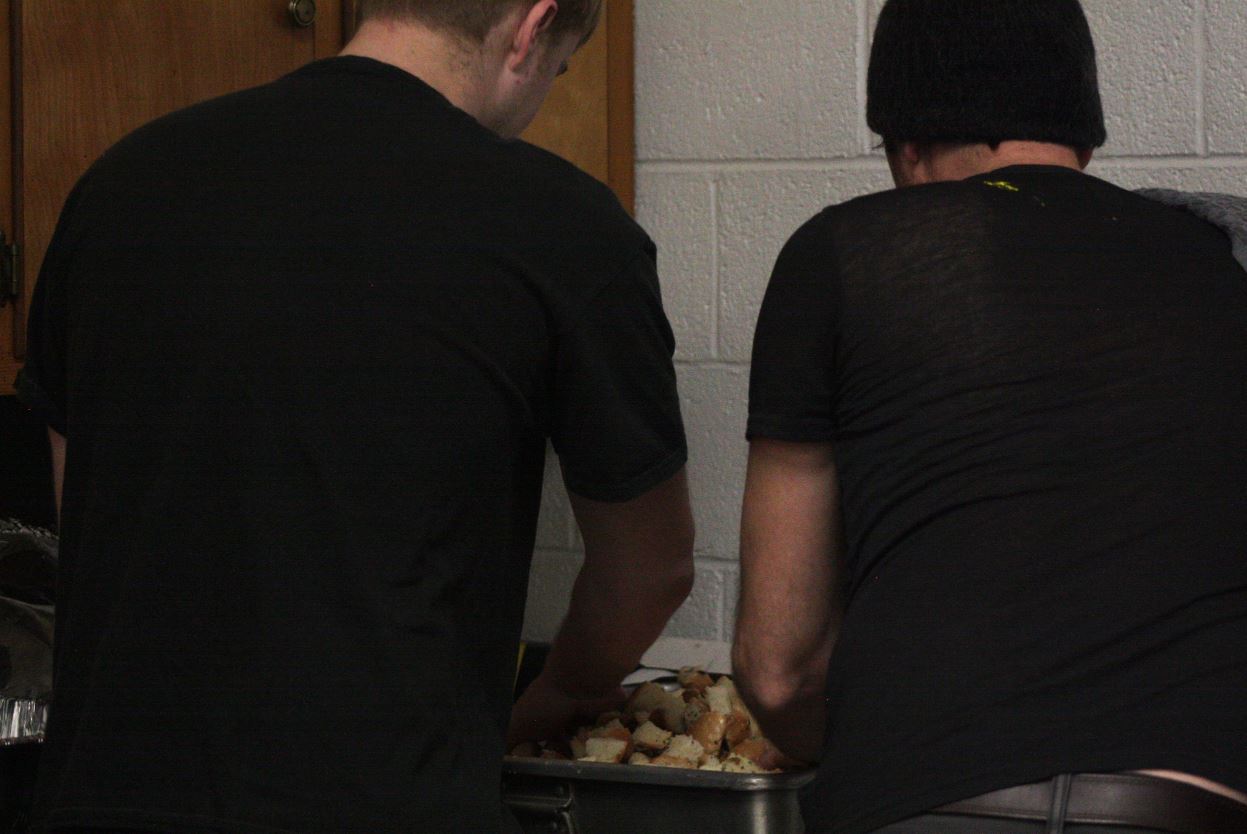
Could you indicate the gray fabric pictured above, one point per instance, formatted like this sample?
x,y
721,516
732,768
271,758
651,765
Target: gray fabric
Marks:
x,y
1225,211
958,824
10,526
25,650
28,557
27,584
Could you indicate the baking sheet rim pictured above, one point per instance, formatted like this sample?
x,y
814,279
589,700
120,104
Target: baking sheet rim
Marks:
x,y
649,775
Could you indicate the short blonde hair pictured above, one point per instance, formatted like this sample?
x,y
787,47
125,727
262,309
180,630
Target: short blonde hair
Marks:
x,y
475,18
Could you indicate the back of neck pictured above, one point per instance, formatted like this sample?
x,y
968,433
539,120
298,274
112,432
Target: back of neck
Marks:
x,y
437,59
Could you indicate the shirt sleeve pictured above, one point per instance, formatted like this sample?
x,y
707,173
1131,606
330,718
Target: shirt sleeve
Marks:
x,y
41,384
792,377
616,423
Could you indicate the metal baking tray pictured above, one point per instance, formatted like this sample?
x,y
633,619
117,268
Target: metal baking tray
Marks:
x,y
592,798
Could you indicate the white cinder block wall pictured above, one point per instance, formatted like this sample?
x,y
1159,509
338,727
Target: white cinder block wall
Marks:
x,y
751,117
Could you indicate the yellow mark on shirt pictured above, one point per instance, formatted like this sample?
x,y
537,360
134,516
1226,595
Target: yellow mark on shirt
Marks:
x,y
1002,185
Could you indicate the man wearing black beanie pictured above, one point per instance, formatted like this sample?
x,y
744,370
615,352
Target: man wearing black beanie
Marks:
x,y
997,465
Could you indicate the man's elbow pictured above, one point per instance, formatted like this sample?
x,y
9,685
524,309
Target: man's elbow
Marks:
x,y
768,687
682,574
773,696
677,569
661,571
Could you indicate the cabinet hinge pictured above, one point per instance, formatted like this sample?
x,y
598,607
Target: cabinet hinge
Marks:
x,y
10,270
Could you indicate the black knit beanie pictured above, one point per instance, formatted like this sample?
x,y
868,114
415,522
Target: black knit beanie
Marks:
x,y
985,71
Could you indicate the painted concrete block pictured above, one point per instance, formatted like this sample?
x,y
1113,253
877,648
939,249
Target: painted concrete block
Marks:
x,y
731,597
758,212
872,20
702,613
738,79
1147,51
678,212
1226,77
1230,179
554,524
713,399
549,589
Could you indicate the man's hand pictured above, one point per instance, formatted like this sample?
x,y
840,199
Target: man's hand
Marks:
x,y
789,608
546,713
638,569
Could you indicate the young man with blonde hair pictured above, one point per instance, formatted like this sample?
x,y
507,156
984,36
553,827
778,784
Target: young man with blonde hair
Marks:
x,y
301,349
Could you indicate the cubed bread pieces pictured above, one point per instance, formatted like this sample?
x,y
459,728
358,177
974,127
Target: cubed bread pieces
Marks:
x,y
739,708
645,698
739,764
703,726
608,717
650,702
709,730
650,737
719,698
667,760
614,729
762,752
692,677
611,732
686,747
669,713
736,730
694,710
579,750
609,750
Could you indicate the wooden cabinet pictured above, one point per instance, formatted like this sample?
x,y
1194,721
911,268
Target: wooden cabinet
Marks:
x,y
83,73
588,118
77,75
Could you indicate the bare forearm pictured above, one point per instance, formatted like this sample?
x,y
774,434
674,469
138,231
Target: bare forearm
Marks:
x,y
607,628
638,569
790,704
789,610
610,623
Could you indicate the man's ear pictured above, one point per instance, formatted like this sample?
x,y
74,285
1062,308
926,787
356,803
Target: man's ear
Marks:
x,y
533,26
1084,157
915,162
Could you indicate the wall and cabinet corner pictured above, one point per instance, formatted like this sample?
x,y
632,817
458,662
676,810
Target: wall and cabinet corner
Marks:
x,y
77,75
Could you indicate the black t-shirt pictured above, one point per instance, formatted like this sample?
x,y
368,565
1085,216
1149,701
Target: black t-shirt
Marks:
x,y
307,343
1035,384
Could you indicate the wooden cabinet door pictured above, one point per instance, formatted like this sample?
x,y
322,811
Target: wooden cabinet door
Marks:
x,y
588,118
77,75
83,73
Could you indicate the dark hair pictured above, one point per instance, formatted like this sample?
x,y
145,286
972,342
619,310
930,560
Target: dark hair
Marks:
x,y
969,71
474,19
892,144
